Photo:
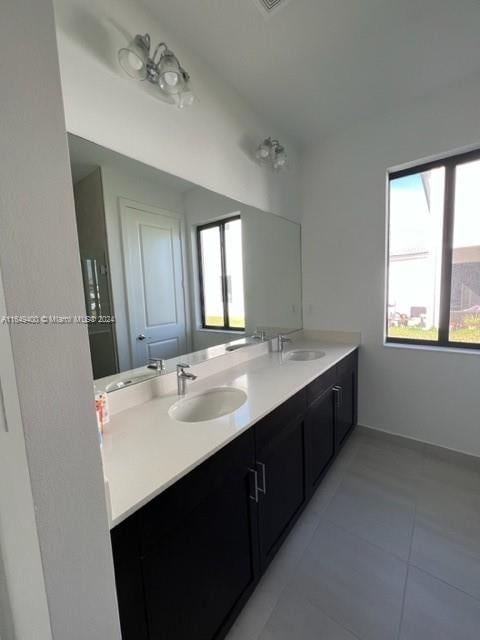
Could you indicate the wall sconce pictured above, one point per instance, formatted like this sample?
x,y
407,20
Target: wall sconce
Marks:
x,y
162,69
272,151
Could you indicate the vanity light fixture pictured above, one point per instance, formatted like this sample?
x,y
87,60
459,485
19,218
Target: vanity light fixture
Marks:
x,y
162,69
272,151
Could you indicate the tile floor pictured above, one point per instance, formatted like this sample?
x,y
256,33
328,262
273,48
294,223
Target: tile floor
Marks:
x,y
388,549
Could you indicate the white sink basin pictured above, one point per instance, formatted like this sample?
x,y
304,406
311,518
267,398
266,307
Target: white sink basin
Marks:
x,y
300,355
208,405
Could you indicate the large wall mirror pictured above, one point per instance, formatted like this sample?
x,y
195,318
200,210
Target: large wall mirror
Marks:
x,y
170,268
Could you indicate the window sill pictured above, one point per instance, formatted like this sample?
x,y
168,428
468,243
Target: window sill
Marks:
x,y
428,347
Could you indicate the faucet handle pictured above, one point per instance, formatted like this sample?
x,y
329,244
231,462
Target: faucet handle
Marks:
x,y
281,340
181,366
160,364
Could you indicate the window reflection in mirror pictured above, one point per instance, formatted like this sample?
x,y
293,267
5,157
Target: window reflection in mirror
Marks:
x,y
221,274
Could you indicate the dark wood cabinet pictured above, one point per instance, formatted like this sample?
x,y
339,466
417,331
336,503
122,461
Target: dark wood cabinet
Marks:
x,y
320,433
345,392
192,552
331,415
280,453
186,562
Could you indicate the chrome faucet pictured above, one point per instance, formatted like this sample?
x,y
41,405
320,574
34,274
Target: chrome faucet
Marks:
x,y
281,340
182,377
260,334
157,364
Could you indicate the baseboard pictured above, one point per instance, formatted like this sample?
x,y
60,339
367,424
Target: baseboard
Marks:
x,y
427,442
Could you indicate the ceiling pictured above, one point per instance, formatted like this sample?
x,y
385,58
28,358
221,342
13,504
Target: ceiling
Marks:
x,y
315,66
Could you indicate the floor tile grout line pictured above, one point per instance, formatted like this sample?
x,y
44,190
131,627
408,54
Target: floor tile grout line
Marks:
x,y
404,595
404,598
360,537
294,569
288,581
320,518
302,554
323,611
330,617
363,539
415,508
376,546
340,624
320,608
312,604
448,584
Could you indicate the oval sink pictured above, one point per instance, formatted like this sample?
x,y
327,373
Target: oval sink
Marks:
x,y
304,354
208,405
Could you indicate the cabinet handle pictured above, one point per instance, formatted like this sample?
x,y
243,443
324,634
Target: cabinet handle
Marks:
x,y
263,488
337,390
255,486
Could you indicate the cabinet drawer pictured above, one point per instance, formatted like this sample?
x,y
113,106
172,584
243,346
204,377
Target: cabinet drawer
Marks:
x,y
163,514
269,427
318,387
347,364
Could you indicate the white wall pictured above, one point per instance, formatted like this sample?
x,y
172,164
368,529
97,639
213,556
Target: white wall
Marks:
x,y
19,547
41,274
211,144
429,395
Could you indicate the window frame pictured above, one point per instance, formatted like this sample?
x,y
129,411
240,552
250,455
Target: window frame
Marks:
x,y
226,320
450,163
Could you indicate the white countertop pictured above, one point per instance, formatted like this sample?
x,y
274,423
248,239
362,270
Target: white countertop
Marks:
x,y
145,451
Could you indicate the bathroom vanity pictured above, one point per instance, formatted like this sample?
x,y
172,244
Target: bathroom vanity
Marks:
x,y
204,525
220,431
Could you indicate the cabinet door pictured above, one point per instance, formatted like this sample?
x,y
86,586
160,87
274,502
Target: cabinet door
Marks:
x,y
198,547
319,437
129,580
345,404
281,463
199,574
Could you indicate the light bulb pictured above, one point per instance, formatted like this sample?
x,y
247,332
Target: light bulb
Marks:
x,y
171,78
280,158
263,151
186,99
133,60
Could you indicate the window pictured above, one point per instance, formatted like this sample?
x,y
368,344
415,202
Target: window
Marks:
x,y
221,274
434,254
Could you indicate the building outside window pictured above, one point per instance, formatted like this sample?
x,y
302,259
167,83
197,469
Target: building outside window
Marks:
x,y
433,279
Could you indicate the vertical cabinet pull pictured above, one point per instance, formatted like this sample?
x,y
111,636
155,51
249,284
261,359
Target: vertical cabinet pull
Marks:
x,y
255,486
263,488
338,391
